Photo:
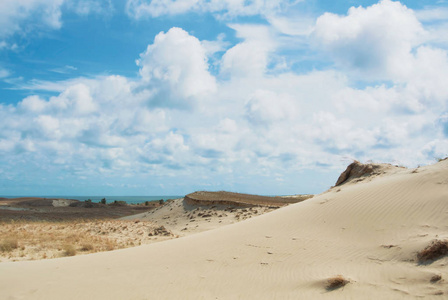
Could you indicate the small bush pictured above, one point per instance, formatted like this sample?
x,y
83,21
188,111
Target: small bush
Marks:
x,y
336,282
435,278
118,203
435,250
103,201
69,250
9,245
87,247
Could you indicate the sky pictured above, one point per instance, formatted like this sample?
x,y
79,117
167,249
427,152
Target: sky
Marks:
x,y
166,97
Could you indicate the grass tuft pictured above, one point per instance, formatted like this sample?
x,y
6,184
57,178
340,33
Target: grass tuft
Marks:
x,y
69,250
9,244
435,278
87,247
433,251
336,282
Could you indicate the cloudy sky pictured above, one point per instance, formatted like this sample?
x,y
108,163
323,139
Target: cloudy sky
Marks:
x,y
165,97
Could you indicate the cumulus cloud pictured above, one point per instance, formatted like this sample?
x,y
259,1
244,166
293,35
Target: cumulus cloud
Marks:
x,y
245,122
375,42
250,57
175,67
267,107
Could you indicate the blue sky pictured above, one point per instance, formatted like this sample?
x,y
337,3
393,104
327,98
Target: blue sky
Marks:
x,y
139,97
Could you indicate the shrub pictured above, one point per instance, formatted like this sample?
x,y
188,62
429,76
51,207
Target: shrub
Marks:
x,y
103,201
8,245
69,250
88,203
433,251
435,278
87,247
336,282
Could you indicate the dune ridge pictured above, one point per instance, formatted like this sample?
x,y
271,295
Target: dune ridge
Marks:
x,y
368,232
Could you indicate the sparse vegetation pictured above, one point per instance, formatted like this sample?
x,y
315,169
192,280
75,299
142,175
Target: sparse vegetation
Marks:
x,y
336,282
434,251
69,250
9,244
435,278
87,247
27,240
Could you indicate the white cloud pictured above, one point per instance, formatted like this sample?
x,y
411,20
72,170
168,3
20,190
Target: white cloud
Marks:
x,y
247,122
24,16
218,45
40,13
266,107
175,67
431,14
375,42
224,8
250,57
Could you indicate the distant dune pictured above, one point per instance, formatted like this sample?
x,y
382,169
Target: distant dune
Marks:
x,y
229,198
376,235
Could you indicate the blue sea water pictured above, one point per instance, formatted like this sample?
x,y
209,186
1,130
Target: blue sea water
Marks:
x,y
109,199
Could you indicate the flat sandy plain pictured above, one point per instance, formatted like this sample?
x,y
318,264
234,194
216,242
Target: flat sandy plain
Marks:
x,y
359,240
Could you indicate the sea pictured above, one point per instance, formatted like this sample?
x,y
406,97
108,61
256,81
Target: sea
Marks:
x,y
109,199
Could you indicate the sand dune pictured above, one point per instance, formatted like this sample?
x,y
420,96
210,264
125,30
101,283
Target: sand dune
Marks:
x,y
368,230
182,218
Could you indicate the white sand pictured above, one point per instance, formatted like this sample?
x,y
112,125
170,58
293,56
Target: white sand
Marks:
x,y
368,231
183,219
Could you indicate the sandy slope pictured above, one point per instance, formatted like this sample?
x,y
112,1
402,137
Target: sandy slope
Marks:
x,y
368,231
183,219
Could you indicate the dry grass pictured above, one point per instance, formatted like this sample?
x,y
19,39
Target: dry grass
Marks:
x,y
87,247
40,240
9,244
69,250
336,282
433,251
435,278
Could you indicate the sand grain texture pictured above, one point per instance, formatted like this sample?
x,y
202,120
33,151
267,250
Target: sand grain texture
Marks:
x,y
368,232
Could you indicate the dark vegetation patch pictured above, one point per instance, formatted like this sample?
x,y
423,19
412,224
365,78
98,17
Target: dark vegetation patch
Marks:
x,y
437,249
336,282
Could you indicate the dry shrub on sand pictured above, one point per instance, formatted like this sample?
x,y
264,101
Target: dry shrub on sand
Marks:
x,y
9,244
87,247
336,282
433,251
435,278
69,250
